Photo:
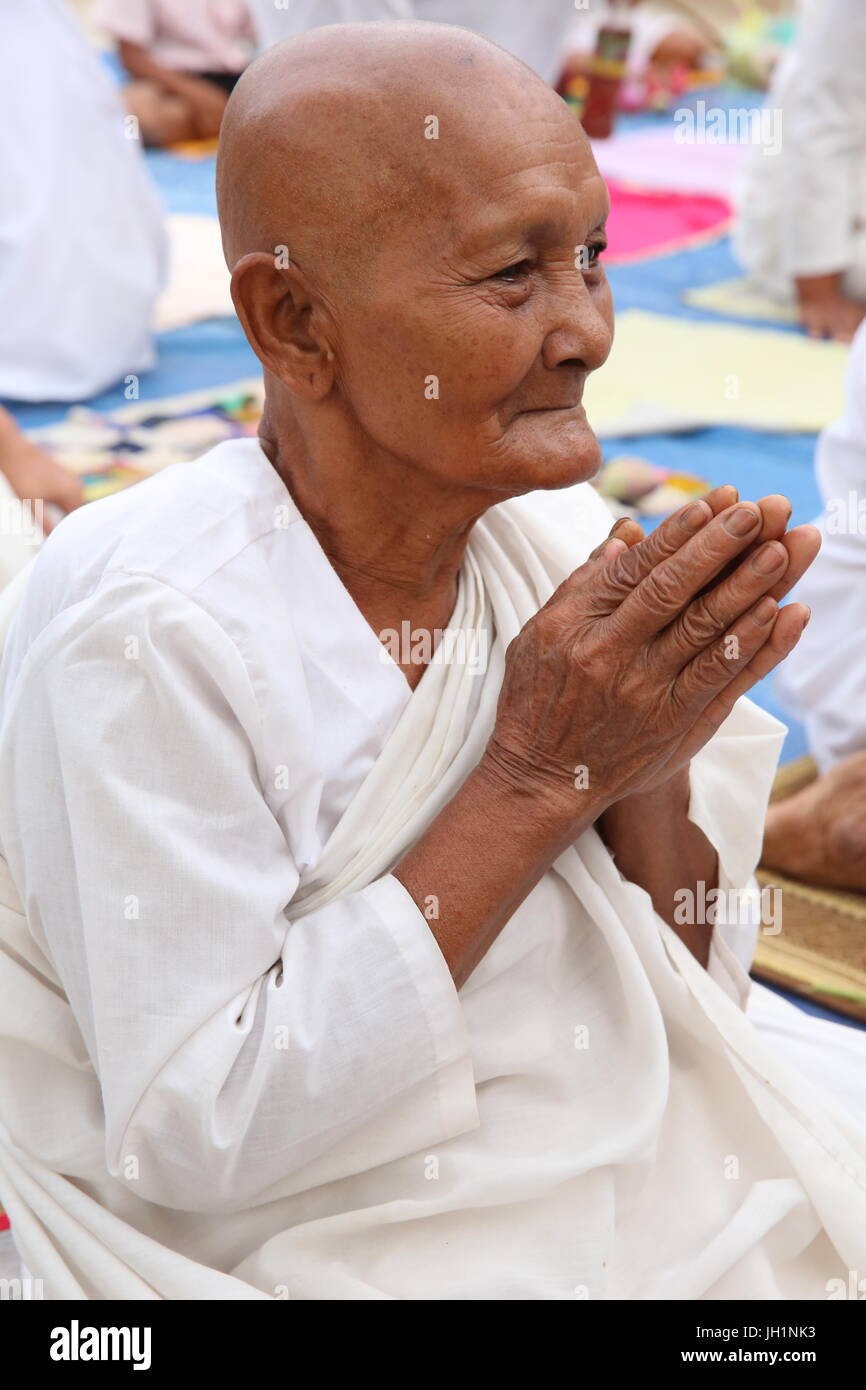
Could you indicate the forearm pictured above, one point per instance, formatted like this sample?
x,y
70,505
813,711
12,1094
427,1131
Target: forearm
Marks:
x,y
656,846
483,855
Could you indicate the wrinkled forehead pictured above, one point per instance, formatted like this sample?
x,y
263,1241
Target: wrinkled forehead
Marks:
x,y
488,170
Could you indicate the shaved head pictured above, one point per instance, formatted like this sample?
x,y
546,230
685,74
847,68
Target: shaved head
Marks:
x,y
330,141
413,220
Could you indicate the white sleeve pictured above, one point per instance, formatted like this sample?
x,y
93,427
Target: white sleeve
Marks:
x,y
731,780
235,1051
823,134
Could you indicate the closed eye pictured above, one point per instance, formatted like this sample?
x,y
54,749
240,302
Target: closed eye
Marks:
x,y
517,271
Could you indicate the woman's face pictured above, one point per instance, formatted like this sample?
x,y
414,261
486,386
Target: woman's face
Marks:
x,y
471,335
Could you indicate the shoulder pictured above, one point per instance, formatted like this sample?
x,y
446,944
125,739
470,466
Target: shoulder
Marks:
x,y
150,557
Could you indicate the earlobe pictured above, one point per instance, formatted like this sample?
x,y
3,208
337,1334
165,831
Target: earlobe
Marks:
x,y
275,306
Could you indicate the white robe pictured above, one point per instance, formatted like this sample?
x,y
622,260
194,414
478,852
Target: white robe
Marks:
x,y
802,210
534,31
823,682
82,246
267,1084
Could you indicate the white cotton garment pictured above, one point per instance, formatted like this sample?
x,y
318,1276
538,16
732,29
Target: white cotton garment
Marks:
x,y
801,205
82,246
823,681
534,32
233,1063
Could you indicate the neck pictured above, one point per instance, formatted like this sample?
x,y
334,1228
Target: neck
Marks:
x,y
395,536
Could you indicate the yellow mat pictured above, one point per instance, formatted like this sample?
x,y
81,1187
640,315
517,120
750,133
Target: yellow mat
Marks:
x,y
198,281
740,299
673,374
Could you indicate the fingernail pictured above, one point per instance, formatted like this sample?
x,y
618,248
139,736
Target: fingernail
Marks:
x,y
617,524
694,516
741,522
768,558
807,618
764,611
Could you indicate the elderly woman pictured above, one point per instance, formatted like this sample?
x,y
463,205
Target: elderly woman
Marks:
x,y
353,968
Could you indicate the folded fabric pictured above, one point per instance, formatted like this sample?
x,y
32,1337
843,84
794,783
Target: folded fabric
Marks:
x,y
667,374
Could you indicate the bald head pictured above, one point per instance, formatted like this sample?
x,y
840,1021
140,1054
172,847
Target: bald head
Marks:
x,y
402,206
330,141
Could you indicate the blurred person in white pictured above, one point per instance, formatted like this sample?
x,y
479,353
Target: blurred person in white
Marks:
x,y
800,230
82,245
544,33
183,58
534,32
333,966
819,834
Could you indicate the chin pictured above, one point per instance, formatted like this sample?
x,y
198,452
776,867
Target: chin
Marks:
x,y
556,450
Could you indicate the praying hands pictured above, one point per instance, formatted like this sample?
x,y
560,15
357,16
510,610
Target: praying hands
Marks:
x,y
609,690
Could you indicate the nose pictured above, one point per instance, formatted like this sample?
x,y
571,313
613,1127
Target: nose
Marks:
x,y
580,329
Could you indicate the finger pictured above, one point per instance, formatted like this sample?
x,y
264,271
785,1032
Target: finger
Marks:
x,y
625,529
709,673
629,530
677,579
786,633
775,514
709,616
721,497
635,562
802,545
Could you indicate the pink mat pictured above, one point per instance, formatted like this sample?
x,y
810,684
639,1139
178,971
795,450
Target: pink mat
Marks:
x,y
653,159
645,222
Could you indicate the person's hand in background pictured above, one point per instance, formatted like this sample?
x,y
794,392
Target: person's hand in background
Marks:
x,y
825,310
33,475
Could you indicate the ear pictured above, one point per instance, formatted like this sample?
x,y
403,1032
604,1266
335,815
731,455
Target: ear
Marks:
x,y
281,318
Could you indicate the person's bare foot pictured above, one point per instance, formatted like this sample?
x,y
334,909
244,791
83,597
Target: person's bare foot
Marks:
x,y
818,835
33,474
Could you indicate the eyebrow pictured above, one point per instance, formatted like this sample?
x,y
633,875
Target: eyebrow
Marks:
x,y
518,228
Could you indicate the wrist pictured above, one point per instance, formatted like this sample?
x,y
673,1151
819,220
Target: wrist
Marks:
x,y
552,808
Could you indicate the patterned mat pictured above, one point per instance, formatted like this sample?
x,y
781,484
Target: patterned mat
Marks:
x,y
820,954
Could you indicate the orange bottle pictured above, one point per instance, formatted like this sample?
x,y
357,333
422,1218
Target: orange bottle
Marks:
x,y
607,69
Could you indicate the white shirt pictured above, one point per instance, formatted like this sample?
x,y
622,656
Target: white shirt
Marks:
x,y
195,716
193,36
534,31
802,201
823,682
83,246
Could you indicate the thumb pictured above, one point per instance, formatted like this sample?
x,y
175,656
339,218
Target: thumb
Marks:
x,y
625,530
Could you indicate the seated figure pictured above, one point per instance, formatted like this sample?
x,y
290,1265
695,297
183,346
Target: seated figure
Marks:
x,y
336,964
